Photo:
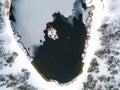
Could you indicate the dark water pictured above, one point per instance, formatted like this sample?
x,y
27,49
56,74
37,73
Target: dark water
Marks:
x,y
61,59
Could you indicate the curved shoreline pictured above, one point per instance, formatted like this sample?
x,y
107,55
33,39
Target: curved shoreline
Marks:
x,y
86,44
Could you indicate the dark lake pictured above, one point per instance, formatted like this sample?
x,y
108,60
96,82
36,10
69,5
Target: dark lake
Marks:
x,y
60,42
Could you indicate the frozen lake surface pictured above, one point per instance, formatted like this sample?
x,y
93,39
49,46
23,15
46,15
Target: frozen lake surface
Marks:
x,y
59,32
32,15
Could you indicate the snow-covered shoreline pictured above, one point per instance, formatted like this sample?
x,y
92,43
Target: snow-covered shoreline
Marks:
x,y
35,79
19,64
23,62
